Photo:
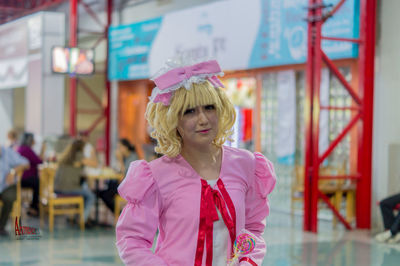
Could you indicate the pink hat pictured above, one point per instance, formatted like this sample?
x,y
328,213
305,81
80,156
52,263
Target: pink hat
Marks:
x,y
185,76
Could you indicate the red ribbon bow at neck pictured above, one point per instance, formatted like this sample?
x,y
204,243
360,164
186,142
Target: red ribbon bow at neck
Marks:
x,y
211,200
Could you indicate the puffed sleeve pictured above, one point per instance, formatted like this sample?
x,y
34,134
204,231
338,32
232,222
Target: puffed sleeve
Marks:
x,y
257,207
138,222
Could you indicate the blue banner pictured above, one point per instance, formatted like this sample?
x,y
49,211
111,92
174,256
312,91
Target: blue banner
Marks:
x,y
265,33
282,35
129,49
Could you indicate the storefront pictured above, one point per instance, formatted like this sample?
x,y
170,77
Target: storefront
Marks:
x,y
263,54
132,100
279,124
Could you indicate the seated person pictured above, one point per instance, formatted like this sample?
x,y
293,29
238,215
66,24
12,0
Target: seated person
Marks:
x,y
30,178
12,139
10,162
89,152
125,154
391,222
68,176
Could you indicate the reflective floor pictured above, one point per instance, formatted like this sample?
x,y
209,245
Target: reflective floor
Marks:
x,y
287,245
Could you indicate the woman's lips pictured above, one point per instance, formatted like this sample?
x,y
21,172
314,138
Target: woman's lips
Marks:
x,y
204,131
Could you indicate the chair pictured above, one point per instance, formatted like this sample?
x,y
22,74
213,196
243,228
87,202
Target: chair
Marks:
x,y
50,201
118,205
16,210
297,189
26,196
337,188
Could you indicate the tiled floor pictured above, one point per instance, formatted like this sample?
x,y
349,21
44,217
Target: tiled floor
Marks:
x,y
66,246
287,245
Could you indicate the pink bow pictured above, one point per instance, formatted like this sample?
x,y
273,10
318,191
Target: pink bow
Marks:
x,y
177,75
180,74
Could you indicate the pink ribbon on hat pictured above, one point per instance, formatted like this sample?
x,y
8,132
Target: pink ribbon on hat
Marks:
x,y
180,74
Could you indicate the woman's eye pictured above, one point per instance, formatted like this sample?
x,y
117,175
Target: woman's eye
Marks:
x,y
189,111
209,107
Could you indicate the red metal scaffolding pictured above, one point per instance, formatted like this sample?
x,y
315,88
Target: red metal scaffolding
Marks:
x,y
11,10
362,113
103,110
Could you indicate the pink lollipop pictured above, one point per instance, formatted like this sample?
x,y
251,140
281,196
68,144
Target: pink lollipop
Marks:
x,y
244,244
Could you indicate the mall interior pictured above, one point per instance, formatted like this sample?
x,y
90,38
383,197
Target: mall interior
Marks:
x,y
314,85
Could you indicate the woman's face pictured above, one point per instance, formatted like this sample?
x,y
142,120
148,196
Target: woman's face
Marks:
x,y
199,125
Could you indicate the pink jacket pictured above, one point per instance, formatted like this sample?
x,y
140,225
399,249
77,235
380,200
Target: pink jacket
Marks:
x,y
169,195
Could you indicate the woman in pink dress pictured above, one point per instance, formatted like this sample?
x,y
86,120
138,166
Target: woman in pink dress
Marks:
x,y
201,194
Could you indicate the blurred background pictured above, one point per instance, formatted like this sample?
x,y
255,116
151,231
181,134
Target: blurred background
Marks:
x,y
79,70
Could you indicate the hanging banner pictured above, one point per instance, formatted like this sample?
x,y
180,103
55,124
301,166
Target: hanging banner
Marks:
x,y
264,33
285,145
13,55
130,47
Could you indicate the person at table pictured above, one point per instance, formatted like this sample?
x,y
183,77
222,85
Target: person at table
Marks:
x,y
12,139
89,153
69,173
10,163
30,178
125,154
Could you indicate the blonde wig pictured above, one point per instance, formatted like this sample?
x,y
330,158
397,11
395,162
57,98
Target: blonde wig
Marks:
x,y
164,119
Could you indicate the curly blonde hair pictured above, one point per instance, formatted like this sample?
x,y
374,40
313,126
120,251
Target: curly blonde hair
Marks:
x,y
164,119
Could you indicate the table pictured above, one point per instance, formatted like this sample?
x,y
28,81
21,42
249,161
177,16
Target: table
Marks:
x,y
97,174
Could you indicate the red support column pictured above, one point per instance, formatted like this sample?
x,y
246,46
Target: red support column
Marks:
x,y
312,110
364,165
73,28
362,98
308,109
105,106
107,110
